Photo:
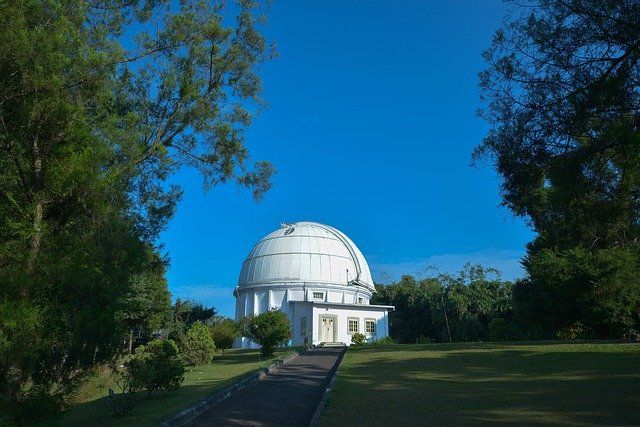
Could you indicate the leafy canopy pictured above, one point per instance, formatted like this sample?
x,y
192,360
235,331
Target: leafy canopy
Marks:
x,y
562,97
268,329
100,102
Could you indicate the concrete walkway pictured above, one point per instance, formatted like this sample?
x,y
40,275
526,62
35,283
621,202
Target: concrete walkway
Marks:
x,y
288,397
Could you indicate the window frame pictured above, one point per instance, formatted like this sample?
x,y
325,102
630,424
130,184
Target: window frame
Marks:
x,y
357,321
372,322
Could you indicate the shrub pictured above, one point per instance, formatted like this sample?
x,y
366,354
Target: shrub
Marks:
x,y
37,404
123,402
224,333
268,330
197,345
384,341
358,338
156,366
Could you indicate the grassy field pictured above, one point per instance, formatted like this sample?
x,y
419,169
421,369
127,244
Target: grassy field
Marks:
x,y
575,384
200,381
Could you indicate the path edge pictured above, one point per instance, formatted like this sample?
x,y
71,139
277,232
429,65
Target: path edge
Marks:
x,y
327,391
205,403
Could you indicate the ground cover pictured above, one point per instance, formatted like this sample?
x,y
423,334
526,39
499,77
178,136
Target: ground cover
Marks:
x,y
200,381
487,383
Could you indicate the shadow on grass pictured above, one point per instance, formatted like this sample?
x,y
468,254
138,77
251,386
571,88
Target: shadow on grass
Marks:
x,y
464,384
200,381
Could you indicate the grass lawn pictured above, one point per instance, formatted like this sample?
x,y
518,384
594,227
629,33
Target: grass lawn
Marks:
x,y
577,384
199,381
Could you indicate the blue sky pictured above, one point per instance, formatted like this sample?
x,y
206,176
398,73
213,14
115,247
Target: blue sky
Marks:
x,y
370,124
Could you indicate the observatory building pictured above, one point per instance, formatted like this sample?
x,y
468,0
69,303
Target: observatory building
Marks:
x,y
319,278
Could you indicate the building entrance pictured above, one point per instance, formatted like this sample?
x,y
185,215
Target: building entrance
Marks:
x,y
327,329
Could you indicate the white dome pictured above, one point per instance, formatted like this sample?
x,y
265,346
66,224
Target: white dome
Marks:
x,y
305,252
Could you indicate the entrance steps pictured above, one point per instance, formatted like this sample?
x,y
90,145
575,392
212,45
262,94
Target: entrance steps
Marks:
x,y
332,344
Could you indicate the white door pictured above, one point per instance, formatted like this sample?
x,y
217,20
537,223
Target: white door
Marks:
x,y
327,329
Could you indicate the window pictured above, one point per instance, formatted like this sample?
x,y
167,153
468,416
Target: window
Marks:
x,y
353,325
318,295
370,326
359,300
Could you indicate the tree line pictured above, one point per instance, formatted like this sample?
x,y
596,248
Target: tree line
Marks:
x,y
477,305
561,95
474,305
100,103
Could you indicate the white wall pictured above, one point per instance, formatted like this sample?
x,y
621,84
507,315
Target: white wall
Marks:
x,y
341,322
290,299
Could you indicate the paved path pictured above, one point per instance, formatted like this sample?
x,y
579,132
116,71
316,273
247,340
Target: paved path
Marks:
x,y
288,397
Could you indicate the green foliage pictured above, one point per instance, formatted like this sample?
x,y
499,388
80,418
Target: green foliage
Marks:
x,y
599,292
99,106
197,346
561,96
268,329
185,313
224,332
358,339
500,330
462,305
37,404
156,366
122,403
384,341
146,307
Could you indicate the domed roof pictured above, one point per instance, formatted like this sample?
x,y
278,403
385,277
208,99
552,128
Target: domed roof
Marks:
x,y
305,252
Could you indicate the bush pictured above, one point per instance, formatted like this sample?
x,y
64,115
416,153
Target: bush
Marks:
x,y
224,333
268,330
156,366
384,341
197,345
123,402
358,338
37,404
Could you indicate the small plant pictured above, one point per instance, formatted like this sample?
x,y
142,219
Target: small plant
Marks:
x,y
358,338
156,366
197,345
123,402
268,329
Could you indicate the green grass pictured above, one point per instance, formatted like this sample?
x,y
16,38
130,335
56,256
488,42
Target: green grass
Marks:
x,y
200,381
573,384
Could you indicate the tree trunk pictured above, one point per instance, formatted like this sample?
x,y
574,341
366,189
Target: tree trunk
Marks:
x,y
130,341
38,214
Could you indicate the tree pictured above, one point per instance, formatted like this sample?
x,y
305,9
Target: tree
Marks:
x,y
155,367
185,313
562,96
224,332
197,346
147,305
445,306
99,103
268,329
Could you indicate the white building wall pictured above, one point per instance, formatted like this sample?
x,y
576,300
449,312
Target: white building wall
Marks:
x,y
297,301
342,315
